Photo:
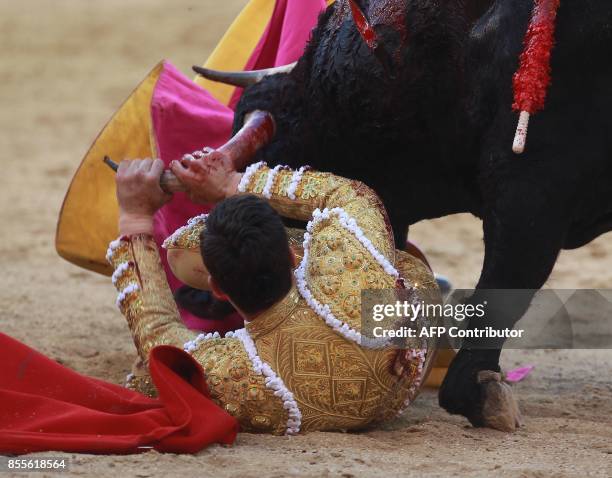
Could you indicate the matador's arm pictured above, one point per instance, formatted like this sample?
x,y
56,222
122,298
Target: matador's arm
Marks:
x,y
144,297
296,194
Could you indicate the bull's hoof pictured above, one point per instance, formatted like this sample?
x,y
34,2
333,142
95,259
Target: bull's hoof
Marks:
x,y
500,409
473,388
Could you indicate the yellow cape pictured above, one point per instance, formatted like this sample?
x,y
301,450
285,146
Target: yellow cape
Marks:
x,y
88,218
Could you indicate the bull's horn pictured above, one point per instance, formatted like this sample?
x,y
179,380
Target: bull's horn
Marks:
x,y
241,78
258,131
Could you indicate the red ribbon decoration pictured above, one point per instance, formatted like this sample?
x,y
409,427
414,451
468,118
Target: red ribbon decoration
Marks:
x,y
532,79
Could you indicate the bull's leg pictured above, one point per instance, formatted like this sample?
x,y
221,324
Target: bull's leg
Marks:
x,y
524,230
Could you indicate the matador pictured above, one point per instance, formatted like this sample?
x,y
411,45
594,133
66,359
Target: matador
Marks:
x,y
301,363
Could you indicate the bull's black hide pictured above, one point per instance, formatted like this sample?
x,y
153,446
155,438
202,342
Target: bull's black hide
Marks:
x,y
340,110
427,122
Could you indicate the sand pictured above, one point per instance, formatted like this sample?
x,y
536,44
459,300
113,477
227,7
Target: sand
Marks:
x,y
66,66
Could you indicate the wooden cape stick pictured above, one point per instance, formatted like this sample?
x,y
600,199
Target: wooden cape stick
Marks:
x,y
258,130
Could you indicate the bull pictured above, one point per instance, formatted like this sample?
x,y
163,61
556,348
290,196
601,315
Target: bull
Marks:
x,y
413,97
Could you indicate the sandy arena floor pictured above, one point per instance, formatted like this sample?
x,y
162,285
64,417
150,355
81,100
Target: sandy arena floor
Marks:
x,y
66,66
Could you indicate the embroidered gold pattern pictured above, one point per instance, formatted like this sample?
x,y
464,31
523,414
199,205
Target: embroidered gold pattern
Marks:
x,y
336,383
153,319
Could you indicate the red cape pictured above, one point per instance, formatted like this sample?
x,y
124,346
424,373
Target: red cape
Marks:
x,y
45,406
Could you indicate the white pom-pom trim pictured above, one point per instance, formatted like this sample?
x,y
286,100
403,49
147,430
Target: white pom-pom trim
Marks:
x,y
323,310
130,289
295,182
193,344
112,247
119,271
248,173
129,377
267,190
351,225
176,234
272,380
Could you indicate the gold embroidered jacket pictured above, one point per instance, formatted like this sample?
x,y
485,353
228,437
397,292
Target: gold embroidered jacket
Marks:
x,y
301,365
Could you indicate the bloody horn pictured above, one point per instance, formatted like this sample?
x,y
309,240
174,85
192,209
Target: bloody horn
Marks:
x,y
258,130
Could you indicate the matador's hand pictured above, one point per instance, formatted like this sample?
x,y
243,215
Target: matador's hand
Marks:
x,y
139,194
209,179
138,189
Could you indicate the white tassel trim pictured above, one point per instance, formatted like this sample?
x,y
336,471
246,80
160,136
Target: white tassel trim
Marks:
x,y
248,173
176,234
112,247
267,190
130,289
119,271
323,310
351,225
272,381
192,345
295,182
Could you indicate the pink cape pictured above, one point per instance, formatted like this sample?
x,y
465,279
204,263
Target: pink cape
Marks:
x,y
187,118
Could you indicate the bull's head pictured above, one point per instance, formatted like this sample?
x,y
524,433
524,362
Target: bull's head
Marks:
x,y
366,76
394,16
